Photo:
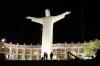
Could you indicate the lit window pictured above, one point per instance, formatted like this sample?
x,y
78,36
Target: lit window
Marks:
x,y
27,57
13,50
27,51
75,50
34,57
34,51
81,50
20,51
69,49
19,57
7,50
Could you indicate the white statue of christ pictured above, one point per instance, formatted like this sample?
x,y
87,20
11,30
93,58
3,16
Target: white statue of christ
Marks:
x,y
47,32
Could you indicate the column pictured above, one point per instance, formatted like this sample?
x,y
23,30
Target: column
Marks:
x,y
38,55
17,51
78,52
30,53
23,55
10,51
72,52
84,46
65,53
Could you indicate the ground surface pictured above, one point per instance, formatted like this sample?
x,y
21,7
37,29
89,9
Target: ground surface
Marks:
x,y
50,63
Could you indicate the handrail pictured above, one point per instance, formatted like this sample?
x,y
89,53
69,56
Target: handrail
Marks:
x,y
69,53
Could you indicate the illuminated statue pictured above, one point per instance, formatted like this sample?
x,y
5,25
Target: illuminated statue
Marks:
x,y
47,33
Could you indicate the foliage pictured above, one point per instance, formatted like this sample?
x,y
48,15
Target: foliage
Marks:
x,y
90,48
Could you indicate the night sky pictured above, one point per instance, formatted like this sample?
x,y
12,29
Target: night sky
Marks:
x,y
81,25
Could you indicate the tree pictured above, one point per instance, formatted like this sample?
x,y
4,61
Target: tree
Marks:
x,y
90,48
97,42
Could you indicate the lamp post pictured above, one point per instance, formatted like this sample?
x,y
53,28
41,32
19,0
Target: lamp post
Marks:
x,y
3,40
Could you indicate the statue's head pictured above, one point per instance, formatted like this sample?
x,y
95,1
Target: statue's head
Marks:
x,y
47,12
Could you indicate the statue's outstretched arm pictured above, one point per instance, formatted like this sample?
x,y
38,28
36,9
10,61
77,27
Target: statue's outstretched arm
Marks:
x,y
34,19
59,17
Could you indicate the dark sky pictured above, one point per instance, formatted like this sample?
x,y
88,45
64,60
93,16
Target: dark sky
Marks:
x,y
82,24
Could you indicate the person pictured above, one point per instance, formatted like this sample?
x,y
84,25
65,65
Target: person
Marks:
x,y
46,56
42,58
51,55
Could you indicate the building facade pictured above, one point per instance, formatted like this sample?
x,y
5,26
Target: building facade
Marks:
x,y
33,52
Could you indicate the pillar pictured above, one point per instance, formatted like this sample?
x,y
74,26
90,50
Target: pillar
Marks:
x,y
17,51
23,55
31,53
10,51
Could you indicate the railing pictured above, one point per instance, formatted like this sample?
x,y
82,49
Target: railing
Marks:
x,y
70,54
